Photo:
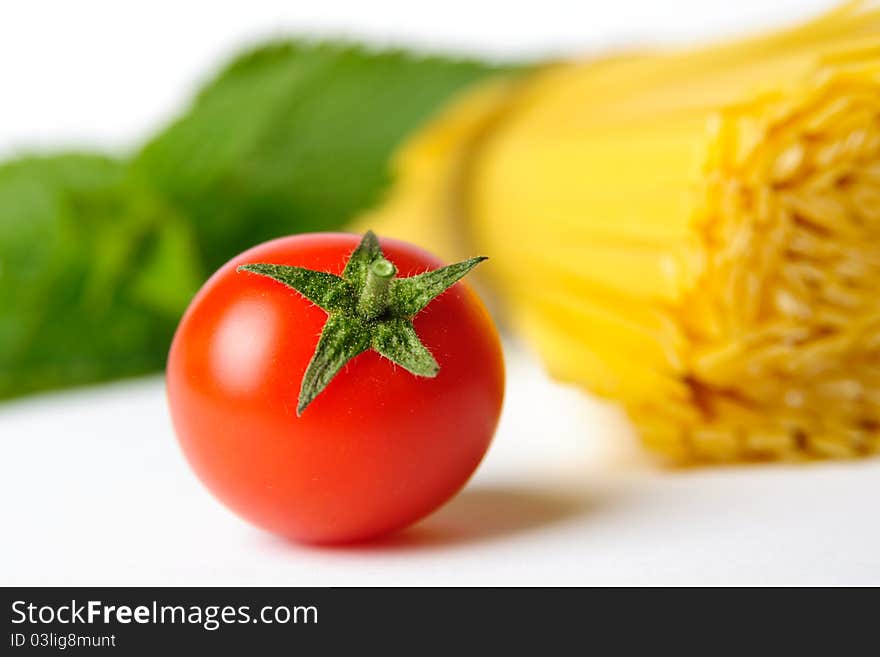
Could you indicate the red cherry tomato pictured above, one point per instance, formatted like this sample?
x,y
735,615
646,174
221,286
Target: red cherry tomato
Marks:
x,y
378,449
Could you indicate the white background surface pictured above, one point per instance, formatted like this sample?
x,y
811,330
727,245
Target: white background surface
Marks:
x,y
94,490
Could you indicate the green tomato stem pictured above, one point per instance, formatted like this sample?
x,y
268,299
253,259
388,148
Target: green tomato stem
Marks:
x,y
373,300
368,309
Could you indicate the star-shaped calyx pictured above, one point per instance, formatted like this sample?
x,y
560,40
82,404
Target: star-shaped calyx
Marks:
x,y
367,308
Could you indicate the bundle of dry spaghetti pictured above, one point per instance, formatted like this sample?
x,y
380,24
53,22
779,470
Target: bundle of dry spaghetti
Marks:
x,y
695,234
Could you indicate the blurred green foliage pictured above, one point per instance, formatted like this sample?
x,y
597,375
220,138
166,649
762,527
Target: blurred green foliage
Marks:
x,y
95,272
295,137
99,256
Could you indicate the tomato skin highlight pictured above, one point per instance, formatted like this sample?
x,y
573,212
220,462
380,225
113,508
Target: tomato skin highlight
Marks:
x,y
378,449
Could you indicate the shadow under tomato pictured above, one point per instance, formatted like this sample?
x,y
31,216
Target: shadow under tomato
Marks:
x,y
481,514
